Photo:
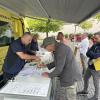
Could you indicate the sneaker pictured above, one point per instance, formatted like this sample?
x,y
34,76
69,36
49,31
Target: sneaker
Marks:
x,y
82,93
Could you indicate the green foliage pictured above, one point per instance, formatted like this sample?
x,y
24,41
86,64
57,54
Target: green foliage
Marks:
x,y
66,35
3,29
44,25
86,25
97,16
90,35
78,33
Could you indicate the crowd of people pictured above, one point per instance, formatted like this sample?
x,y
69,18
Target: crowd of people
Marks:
x,y
66,66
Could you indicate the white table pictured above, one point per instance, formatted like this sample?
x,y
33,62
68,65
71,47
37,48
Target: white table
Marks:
x,y
28,85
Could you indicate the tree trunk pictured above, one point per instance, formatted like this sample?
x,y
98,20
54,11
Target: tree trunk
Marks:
x,y
47,24
46,34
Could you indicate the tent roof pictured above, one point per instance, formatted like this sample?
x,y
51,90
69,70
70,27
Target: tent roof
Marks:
x,y
71,11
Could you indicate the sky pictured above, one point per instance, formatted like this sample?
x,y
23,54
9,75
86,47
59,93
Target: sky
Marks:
x,y
70,28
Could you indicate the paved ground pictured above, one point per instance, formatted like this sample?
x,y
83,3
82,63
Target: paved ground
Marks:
x,y
90,89
58,96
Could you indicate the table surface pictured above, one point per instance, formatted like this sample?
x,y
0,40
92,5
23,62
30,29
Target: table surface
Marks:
x,y
28,83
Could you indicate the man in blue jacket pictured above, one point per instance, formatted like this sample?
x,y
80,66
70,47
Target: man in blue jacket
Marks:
x,y
93,53
16,56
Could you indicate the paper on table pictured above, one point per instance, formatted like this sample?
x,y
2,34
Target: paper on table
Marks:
x,y
21,88
32,70
32,74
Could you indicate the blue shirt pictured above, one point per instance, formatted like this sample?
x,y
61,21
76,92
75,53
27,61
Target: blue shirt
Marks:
x,y
13,63
33,46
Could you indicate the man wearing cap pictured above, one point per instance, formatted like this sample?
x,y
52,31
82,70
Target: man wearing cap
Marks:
x,y
66,67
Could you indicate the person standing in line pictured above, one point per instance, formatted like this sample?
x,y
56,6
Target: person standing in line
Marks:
x,y
83,48
65,40
61,38
34,43
92,53
66,68
33,46
90,37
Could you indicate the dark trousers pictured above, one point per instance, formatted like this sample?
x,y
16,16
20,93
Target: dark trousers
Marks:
x,y
96,79
7,76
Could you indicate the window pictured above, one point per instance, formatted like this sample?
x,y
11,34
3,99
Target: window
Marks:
x,y
6,36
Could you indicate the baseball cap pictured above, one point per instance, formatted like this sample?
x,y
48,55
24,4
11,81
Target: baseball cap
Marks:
x,y
49,40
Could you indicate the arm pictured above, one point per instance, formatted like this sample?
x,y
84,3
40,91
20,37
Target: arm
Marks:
x,y
18,50
59,62
26,56
51,65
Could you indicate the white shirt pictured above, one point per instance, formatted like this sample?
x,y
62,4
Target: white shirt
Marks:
x,y
84,45
45,56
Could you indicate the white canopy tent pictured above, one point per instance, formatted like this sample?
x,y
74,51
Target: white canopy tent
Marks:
x,y
71,11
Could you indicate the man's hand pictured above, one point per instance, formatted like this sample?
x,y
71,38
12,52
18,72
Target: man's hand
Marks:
x,y
45,74
41,65
36,58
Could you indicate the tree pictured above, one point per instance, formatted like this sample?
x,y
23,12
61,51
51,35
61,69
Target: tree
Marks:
x,y
44,25
97,16
90,35
86,25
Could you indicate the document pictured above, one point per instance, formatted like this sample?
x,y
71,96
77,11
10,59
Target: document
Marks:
x,y
32,71
22,88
